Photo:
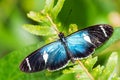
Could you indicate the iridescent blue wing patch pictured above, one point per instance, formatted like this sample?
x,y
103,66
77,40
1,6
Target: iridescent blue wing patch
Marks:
x,y
56,55
80,44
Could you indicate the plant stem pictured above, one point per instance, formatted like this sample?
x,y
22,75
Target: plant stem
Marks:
x,y
81,64
53,25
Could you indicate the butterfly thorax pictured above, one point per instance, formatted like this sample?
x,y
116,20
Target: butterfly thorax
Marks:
x,y
62,37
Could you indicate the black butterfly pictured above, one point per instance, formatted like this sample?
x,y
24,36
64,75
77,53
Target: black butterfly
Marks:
x,y
57,54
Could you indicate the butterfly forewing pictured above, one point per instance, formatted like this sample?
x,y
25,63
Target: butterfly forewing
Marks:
x,y
82,43
51,56
79,44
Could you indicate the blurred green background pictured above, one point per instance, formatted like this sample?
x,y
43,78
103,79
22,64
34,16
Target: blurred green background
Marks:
x,y
13,15
83,13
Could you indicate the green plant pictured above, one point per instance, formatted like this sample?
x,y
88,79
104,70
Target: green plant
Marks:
x,y
10,63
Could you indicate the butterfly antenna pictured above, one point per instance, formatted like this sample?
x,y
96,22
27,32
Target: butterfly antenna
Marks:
x,y
53,24
89,75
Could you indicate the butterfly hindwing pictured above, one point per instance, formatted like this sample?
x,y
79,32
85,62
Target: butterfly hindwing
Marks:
x,y
51,57
82,43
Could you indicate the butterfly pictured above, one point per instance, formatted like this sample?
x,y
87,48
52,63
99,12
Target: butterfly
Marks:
x,y
78,45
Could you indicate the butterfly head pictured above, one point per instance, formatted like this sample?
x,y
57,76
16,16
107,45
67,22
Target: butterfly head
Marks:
x,y
61,35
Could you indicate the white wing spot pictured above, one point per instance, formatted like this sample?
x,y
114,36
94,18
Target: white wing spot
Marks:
x,y
103,30
87,38
45,56
28,64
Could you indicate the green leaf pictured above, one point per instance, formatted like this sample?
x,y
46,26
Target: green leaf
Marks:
x,y
77,72
73,28
39,30
69,76
38,17
57,8
109,70
48,6
97,71
89,63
